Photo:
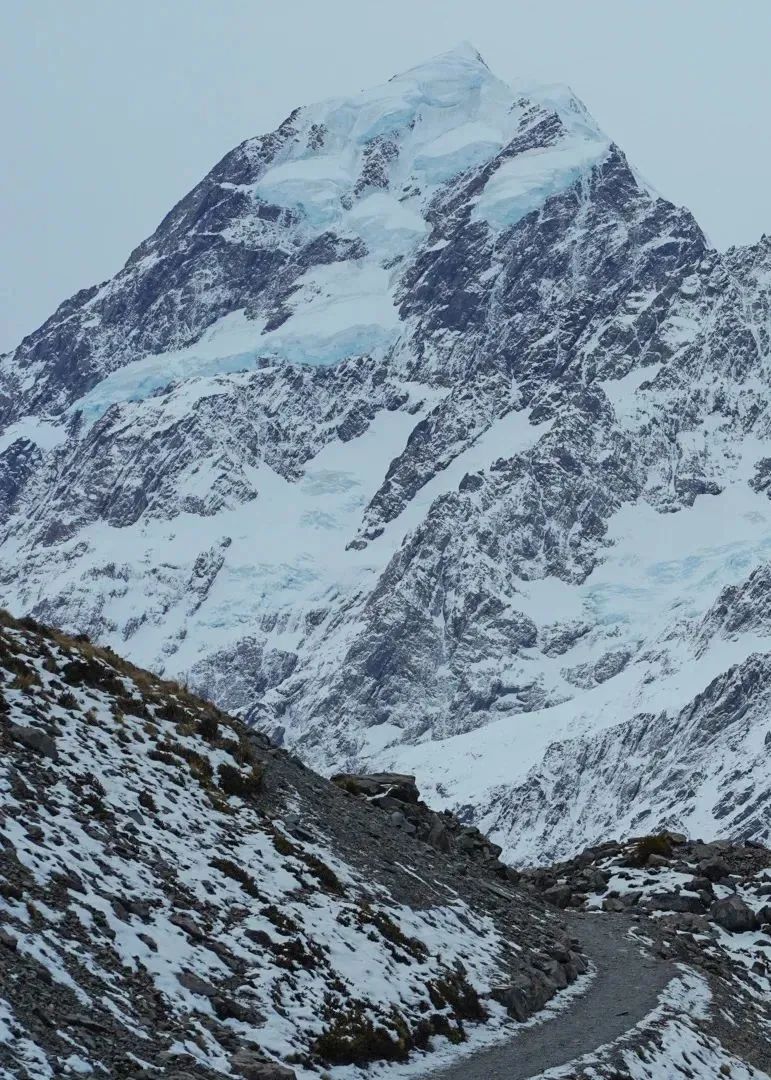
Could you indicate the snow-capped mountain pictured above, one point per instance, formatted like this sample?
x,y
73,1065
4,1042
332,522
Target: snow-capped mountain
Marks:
x,y
426,434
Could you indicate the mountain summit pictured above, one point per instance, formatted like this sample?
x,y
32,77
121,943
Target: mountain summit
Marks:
x,y
423,435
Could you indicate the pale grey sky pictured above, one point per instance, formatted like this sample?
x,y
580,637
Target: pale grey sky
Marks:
x,y
111,110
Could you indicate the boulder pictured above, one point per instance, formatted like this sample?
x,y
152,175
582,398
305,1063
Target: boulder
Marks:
x,y
715,869
559,895
679,902
526,994
733,914
36,740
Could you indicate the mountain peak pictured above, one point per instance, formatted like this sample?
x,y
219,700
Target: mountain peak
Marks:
x,y
464,52
461,65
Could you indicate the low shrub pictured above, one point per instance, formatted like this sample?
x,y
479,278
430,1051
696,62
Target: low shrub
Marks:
x,y
208,728
236,873
323,873
393,933
147,801
353,1039
244,785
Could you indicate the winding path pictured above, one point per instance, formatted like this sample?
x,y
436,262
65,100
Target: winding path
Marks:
x,y
624,990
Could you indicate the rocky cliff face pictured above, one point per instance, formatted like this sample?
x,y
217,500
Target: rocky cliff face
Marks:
x,y
425,433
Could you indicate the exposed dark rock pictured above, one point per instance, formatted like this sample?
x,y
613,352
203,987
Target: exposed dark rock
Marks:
x,y
36,740
733,914
251,1066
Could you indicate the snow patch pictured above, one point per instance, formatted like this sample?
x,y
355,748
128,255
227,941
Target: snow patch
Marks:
x,y
524,183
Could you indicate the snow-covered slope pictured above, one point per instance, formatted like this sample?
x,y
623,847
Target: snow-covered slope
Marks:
x,y
179,899
425,433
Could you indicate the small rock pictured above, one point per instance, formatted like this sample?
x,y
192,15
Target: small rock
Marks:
x,y
613,903
253,1066
657,860
195,984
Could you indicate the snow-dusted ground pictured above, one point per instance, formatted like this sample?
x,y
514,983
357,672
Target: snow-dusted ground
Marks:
x,y
672,1044
129,875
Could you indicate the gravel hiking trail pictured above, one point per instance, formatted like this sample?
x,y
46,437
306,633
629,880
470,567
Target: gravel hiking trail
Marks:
x,y
625,988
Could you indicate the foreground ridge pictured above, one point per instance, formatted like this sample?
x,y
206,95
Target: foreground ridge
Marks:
x,y
179,898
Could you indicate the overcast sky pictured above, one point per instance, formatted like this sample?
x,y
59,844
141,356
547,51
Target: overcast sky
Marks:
x,y
111,110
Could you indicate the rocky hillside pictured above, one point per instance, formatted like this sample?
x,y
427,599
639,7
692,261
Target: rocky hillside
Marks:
x,y
427,436
180,899
706,905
